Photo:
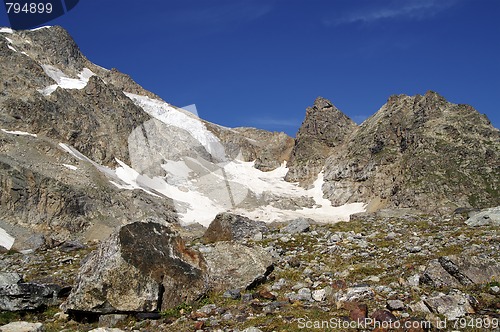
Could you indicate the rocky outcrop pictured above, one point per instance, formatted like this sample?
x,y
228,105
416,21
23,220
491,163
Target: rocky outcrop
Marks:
x,y
324,128
232,227
144,267
268,149
421,152
453,271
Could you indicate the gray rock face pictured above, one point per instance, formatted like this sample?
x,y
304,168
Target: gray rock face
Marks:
x,y
487,217
228,227
40,195
324,128
453,306
235,266
267,149
17,295
22,327
454,271
299,225
144,267
37,193
420,152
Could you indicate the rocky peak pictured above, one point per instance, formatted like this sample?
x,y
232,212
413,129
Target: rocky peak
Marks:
x,y
53,46
326,123
324,128
418,151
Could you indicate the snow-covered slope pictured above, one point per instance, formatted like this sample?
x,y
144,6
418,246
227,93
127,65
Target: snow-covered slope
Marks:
x,y
202,187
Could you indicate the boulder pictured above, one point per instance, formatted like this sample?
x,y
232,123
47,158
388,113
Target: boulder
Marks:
x,y
143,267
436,276
454,271
235,266
22,327
487,217
453,305
17,295
229,227
296,226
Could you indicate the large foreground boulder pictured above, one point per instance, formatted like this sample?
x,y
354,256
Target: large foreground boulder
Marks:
x,y
143,267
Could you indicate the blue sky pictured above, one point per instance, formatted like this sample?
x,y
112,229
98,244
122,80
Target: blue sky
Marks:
x,y
260,63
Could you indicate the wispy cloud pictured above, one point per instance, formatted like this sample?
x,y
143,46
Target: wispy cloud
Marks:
x,y
402,9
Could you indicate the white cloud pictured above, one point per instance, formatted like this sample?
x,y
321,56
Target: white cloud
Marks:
x,y
403,9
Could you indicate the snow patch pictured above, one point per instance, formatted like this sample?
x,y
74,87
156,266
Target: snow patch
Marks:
x,y
71,167
20,133
172,116
6,240
64,81
41,28
6,30
70,151
11,48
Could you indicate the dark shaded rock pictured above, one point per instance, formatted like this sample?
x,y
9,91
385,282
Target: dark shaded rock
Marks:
x,y
383,316
71,246
143,267
358,312
234,294
228,227
17,295
436,276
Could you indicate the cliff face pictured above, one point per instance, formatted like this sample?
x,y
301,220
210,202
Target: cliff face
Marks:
x,y
324,128
421,152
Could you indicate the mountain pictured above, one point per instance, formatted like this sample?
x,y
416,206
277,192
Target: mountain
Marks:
x,y
419,152
86,149
76,137
125,211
